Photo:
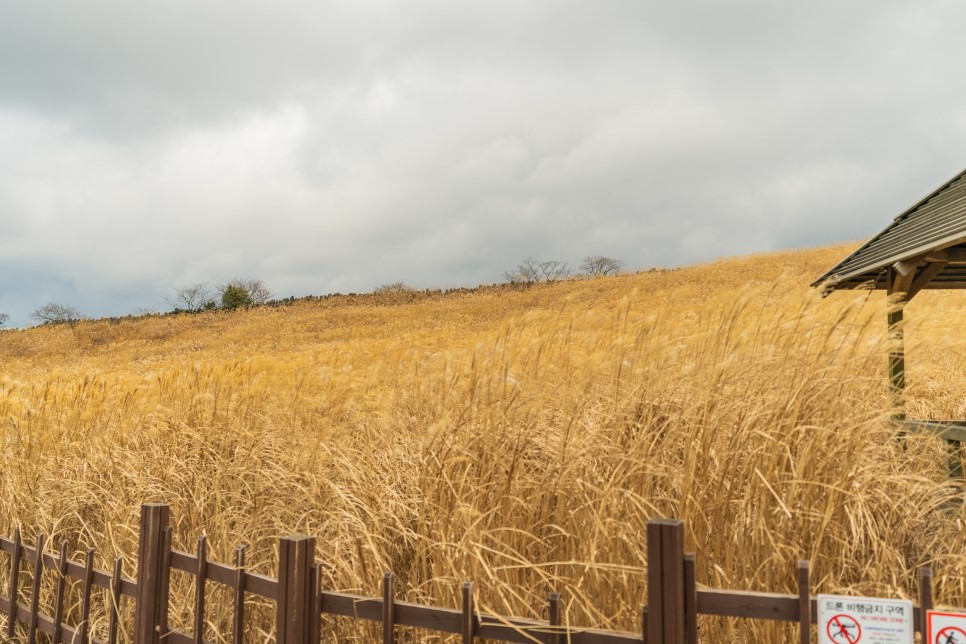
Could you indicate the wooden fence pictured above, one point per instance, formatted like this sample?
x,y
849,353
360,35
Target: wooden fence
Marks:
x,y
675,601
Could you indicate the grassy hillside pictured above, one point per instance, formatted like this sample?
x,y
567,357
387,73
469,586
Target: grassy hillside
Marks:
x,y
520,438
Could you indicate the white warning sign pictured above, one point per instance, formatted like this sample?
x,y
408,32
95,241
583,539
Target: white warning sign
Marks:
x,y
946,628
865,620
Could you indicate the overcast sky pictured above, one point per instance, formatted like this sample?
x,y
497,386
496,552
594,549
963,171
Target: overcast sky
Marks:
x,y
336,146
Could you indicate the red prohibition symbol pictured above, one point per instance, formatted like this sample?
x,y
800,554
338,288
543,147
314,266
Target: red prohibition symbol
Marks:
x,y
951,635
843,629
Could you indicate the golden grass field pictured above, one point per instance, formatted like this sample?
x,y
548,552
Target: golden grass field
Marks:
x,y
518,438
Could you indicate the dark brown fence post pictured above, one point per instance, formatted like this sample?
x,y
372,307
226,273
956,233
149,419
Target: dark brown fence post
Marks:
x,y
84,628
35,589
804,604
201,574
925,598
238,612
293,612
389,609
315,634
59,593
468,619
690,598
151,600
665,581
112,622
14,584
553,616
654,624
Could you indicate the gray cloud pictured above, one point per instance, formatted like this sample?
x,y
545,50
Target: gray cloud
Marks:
x,y
340,145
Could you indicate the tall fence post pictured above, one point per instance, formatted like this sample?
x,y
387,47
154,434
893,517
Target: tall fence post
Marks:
x,y
468,620
389,609
151,601
553,615
804,603
294,614
925,599
665,581
14,584
690,598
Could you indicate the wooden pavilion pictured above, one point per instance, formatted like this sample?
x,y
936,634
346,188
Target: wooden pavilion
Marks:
x,y
923,248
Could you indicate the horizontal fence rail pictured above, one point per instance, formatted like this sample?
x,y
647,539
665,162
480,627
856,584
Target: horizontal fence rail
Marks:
x,y
670,617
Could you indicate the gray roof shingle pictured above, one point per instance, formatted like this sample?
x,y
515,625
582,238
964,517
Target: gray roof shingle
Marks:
x,y
937,222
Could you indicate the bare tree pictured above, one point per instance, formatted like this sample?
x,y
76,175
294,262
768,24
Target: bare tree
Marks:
x,y
531,271
3,318
598,265
528,272
56,314
552,270
193,298
258,291
393,287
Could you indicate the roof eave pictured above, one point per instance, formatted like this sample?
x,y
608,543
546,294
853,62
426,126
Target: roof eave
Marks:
x,y
919,251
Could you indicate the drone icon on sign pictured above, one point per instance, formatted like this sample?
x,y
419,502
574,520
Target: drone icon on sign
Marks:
x,y
843,629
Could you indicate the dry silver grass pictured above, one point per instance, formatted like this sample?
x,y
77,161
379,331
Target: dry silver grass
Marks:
x,y
519,439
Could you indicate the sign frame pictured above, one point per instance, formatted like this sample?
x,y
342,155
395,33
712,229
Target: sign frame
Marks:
x,y
940,621
846,619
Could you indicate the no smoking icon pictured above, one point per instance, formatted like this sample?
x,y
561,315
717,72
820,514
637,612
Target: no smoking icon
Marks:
x,y
951,635
843,629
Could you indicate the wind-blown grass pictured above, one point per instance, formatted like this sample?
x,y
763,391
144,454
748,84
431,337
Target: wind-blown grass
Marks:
x,y
519,438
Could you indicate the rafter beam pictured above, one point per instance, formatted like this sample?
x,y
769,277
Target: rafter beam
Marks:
x,y
952,255
925,276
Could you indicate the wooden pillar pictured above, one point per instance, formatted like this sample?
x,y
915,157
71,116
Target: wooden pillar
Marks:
x,y
665,582
897,358
389,609
467,619
925,598
293,613
151,602
238,603
690,598
900,290
553,613
14,584
804,604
